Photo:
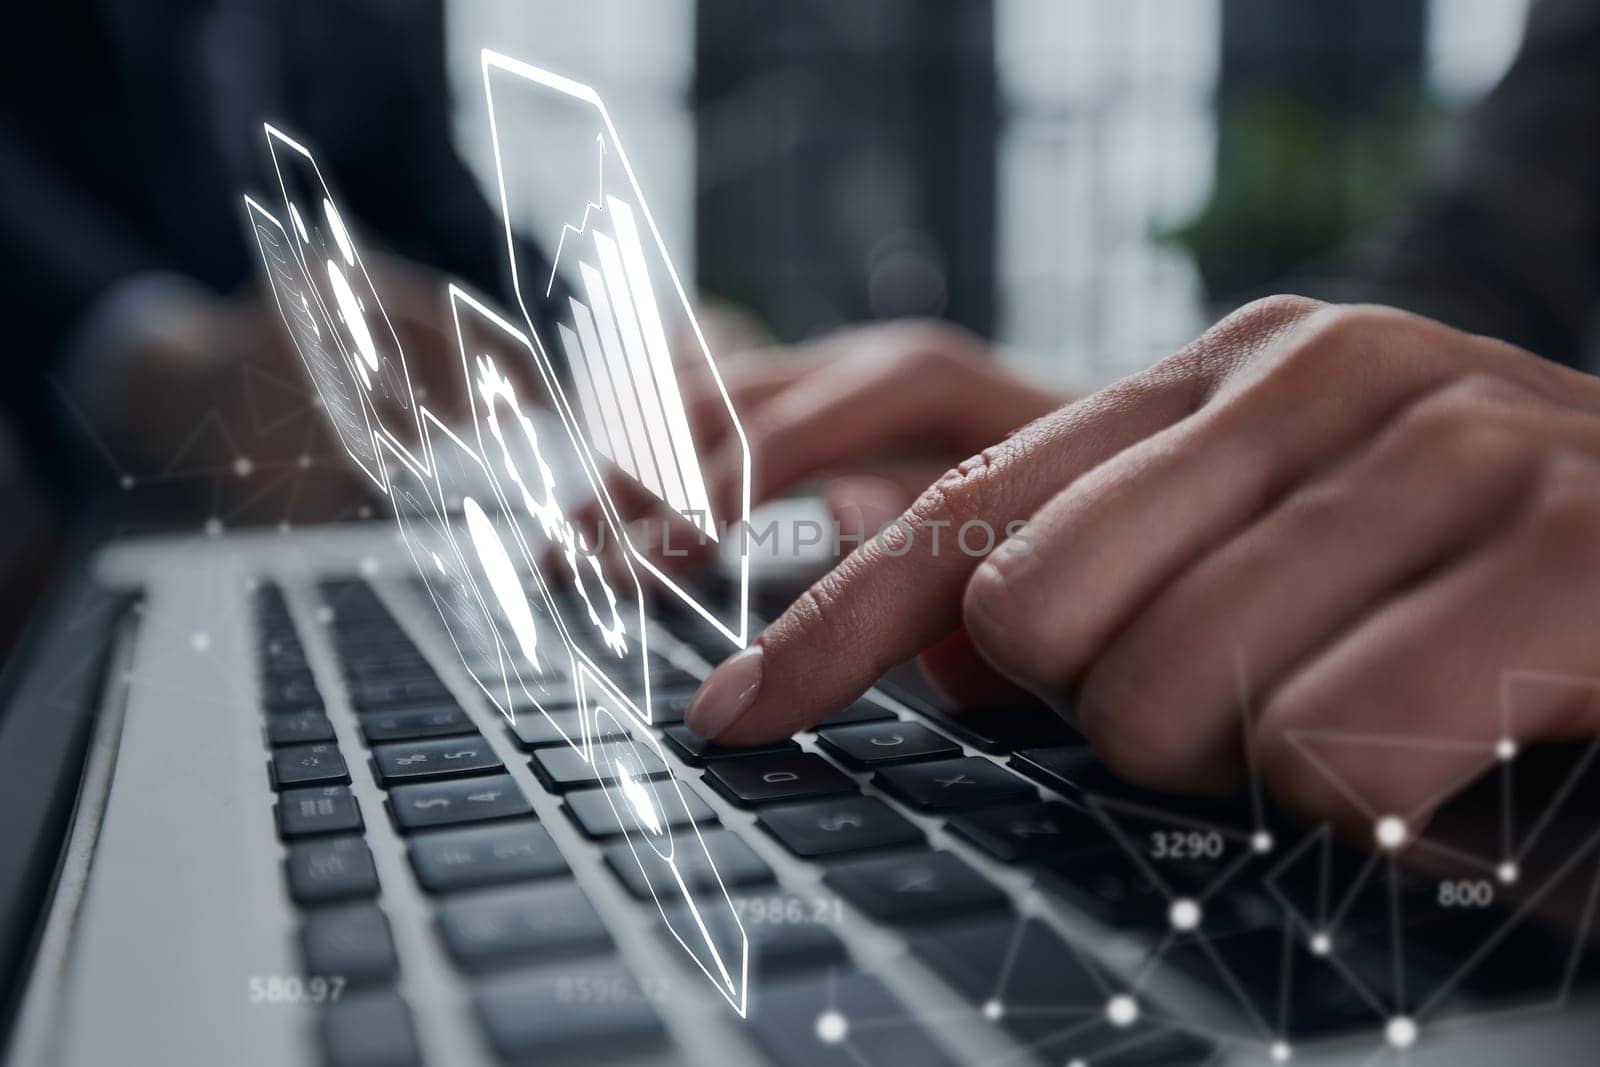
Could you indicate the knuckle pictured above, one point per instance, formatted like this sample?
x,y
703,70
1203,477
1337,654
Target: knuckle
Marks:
x,y
1566,517
1465,425
1329,340
1135,739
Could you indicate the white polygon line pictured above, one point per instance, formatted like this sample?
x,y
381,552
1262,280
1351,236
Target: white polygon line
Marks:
x,y
639,370
432,427
605,390
459,296
633,421
490,61
660,353
594,693
588,399
408,402
338,406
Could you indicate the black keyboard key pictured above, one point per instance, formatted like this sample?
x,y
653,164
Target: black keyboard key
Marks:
x,y
335,868
298,727
1037,979
832,827
295,693
409,724
464,800
776,779
881,744
324,810
1110,887
595,815
1148,1047
669,708
378,695
535,729
369,1030
1034,834
489,855
1078,774
786,933
915,888
999,730
562,769
861,711
1061,768
725,857
952,785
574,1014
1319,998
351,942
317,764
806,1023
532,923
697,752
447,757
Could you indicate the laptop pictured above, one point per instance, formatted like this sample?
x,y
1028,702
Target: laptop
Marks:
x,y
413,791
262,813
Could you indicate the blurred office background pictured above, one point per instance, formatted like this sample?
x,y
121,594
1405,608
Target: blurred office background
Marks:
x,y
1086,181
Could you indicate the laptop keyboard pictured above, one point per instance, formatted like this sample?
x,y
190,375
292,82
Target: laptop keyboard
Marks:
x,y
506,905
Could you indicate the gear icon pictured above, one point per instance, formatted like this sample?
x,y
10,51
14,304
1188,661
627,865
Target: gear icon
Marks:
x,y
614,635
497,391
494,386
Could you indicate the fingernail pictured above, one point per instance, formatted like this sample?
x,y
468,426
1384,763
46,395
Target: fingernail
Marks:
x,y
726,695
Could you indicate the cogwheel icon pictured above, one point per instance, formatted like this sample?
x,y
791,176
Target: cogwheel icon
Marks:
x,y
614,635
493,386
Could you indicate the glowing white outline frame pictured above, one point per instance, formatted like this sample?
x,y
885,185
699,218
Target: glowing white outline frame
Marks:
x,y
736,991
459,296
276,135
491,60
506,703
254,208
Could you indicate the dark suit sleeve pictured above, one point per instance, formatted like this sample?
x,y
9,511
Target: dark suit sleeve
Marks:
x,y
1508,242
65,249
420,196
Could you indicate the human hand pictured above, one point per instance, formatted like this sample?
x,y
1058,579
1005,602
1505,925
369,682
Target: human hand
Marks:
x,y
1361,517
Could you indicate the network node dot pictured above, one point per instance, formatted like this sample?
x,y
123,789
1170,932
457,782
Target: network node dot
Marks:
x,y
1391,832
305,462
1184,914
1281,1052
127,481
1506,749
1507,873
244,466
1122,1010
1262,842
200,641
1077,1061
832,1027
1401,1032
993,1010
1321,944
